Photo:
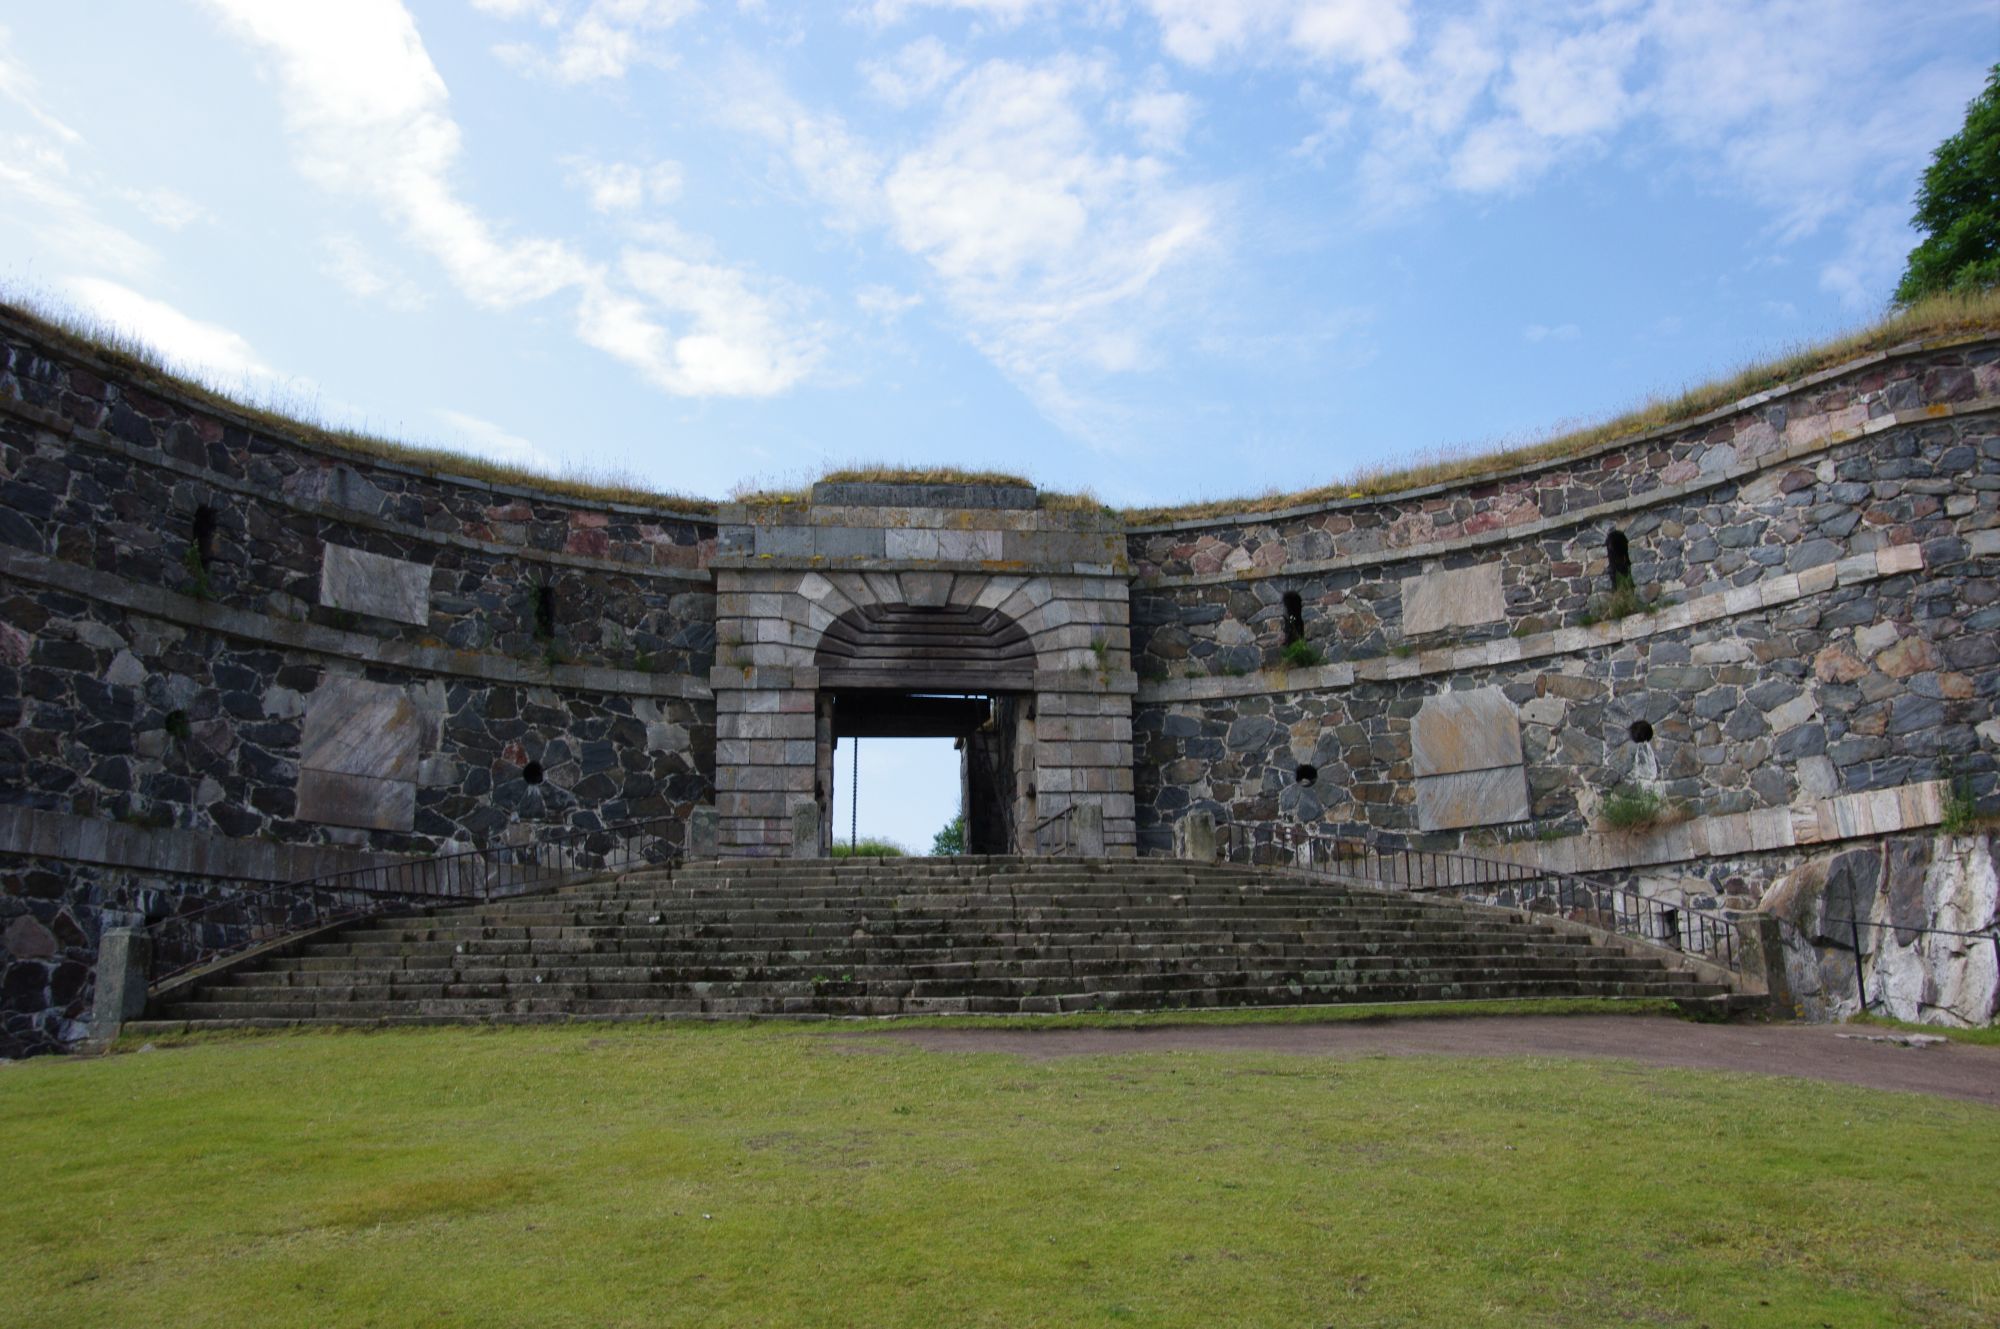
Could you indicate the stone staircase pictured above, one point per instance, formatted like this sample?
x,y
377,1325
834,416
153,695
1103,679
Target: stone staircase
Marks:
x,y
916,936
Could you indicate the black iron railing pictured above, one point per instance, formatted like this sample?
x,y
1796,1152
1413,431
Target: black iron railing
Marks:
x,y
1604,905
1854,926
1055,834
206,932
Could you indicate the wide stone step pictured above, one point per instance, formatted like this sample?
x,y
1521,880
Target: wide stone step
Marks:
x,y
779,998
942,936
1284,992
837,939
793,970
1567,949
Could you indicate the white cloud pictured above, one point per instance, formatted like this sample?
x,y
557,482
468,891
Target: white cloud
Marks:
x,y
625,186
369,115
1056,253
836,166
885,302
483,438
205,349
542,11
362,274
1757,99
35,168
605,41
1051,246
1003,12
1203,32
1160,118
1540,332
1870,262
732,341
165,207
913,73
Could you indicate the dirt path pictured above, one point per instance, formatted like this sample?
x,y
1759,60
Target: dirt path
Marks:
x,y
1814,1052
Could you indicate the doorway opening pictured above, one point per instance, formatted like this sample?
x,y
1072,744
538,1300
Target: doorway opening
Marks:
x,y
904,765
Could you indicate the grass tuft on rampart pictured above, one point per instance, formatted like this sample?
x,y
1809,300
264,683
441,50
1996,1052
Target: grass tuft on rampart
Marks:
x,y
1941,318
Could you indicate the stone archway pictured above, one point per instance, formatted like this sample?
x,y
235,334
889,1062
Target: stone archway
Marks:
x,y
955,672
790,639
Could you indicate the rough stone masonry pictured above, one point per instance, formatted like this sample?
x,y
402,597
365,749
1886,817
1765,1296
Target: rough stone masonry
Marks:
x,y
231,657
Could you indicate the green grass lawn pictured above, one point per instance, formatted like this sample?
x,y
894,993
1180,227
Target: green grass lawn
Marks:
x,y
768,1175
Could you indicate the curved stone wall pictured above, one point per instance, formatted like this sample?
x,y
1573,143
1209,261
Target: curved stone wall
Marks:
x,y
231,657
215,638
1812,586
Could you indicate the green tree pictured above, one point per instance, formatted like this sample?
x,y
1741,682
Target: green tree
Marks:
x,y
950,841
1958,207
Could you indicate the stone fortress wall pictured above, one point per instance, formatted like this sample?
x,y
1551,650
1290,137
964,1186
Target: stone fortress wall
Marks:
x,y
231,657
1818,569
228,658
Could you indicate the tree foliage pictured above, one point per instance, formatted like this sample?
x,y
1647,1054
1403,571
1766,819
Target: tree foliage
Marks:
x,y
950,842
1958,207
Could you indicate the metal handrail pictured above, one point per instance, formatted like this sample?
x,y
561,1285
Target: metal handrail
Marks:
x,y
1611,907
197,937
1855,925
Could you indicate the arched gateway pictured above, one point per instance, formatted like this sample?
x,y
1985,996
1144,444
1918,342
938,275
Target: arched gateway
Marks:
x,y
915,610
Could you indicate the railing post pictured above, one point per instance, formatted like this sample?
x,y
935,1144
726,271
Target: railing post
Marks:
x,y
1860,983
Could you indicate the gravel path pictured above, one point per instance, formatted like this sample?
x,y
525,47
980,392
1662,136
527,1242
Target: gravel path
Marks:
x,y
1855,1055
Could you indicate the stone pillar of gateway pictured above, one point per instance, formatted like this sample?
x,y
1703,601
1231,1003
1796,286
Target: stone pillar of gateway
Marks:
x,y
981,612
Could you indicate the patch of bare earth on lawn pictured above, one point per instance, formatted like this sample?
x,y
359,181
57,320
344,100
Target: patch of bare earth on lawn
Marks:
x,y
1813,1052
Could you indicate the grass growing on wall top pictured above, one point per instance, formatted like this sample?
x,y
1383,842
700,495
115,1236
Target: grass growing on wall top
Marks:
x,y
145,367
760,1175
1938,318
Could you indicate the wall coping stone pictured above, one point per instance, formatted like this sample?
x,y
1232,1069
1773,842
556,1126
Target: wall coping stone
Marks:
x,y
1863,815
43,833
103,442
1759,595
1084,521
1791,387
920,494
821,562
318,639
1766,461
230,414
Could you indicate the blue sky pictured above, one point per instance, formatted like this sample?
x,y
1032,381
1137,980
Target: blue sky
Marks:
x,y
1161,249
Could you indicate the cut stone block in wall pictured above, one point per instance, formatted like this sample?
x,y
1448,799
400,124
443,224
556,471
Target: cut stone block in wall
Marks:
x,y
1472,798
375,584
1466,753
357,800
1458,598
1465,731
359,755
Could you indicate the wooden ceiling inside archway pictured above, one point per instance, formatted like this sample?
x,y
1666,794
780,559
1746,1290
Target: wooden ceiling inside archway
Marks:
x,y
909,648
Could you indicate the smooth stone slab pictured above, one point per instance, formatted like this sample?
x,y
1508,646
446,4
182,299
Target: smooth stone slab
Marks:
x,y
355,727
374,584
333,799
1454,598
944,546
1472,798
1465,731
805,829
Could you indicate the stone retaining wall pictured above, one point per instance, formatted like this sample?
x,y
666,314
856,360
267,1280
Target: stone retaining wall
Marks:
x,y
1819,620
212,630
208,629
